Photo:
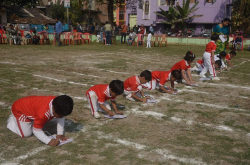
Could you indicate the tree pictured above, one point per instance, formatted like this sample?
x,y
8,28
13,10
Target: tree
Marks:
x,y
177,15
241,15
21,3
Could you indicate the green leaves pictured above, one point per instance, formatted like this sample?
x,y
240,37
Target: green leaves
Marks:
x,y
178,14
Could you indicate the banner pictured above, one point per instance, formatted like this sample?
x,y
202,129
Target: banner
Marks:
x,y
67,3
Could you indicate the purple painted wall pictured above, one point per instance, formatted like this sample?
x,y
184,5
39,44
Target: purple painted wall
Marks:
x,y
213,13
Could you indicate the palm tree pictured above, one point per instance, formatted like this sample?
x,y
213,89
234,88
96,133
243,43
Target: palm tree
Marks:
x,y
177,15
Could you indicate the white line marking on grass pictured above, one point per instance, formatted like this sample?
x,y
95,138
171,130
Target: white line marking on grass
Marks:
x,y
226,128
147,113
111,71
22,157
2,103
5,62
228,85
162,152
200,103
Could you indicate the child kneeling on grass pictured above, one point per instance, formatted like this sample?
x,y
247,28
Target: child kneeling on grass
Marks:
x,y
229,57
133,87
99,94
159,78
185,67
29,114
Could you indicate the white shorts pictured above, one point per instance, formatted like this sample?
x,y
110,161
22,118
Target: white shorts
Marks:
x,y
23,129
129,93
151,85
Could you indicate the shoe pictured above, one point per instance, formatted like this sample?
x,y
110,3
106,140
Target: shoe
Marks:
x,y
215,78
97,115
202,76
130,98
194,69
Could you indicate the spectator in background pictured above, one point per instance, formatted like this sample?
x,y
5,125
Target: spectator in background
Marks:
x,y
128,29
238,41
58,29
92,28
108,29
101,32
151,29
35,37
124,31
131,37
96,28
46,27
116,30
135,29
78,27
142,30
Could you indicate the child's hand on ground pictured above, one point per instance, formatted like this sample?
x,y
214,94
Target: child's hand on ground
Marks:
x,y
62,137
54,142
193,82
119,112
111,113
144,100
148,97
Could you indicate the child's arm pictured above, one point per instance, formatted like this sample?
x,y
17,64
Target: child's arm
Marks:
x,y
172,86
106,110
229,63
165,90
138,98
190,77
185,77
60,129
115,107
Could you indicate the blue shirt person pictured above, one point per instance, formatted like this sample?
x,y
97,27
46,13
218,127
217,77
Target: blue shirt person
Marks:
x,y
58,29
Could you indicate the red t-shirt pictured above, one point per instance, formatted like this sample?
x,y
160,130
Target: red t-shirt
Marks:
x,y
200,61
181,65
161,76
102,92
228,58
211,47
142,30
132,83
33,108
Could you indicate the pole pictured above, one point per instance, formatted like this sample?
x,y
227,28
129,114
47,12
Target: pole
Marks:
x,y
68,16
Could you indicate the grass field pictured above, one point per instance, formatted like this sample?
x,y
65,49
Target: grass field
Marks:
x,y
209,124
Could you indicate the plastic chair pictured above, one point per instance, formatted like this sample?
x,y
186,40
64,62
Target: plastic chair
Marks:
x,y
87,37
67,38
140,39
164,39
152,41
156,39
44,36
77,36
3,37
104,38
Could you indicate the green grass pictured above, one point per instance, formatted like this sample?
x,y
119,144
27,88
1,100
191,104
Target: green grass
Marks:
x,y
195,140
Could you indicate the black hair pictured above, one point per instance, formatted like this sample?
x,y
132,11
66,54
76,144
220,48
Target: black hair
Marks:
x,y
117,87
190,56
107,22
177,74
218,62
233,52
214,36
63,105
146,74
226,20
222,54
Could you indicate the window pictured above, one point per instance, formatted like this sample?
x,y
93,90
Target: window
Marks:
x,y
167,2
192,1
146,9
210,1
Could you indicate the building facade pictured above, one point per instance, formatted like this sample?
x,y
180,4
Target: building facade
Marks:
x,y
213,11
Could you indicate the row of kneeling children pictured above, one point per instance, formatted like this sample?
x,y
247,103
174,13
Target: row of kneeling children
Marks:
x,y
29,114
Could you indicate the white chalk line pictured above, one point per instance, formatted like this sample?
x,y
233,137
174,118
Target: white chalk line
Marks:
x,y
219,127
201,103
82,74
111,71
207,93
162,152
228,85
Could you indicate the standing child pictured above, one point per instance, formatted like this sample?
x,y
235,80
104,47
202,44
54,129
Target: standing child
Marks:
x,y
98,96
208,58
185,67
132,86
229,58
29,114
159,78
149,40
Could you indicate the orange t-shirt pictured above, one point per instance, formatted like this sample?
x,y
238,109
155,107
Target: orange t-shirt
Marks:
x,y
124,28
211,47
181,65
161,76
132,83
33,108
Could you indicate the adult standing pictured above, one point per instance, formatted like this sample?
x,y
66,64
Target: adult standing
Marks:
x,y
79,27
58,31
101,32
222,30
142,30
124,31
108,29
151,29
